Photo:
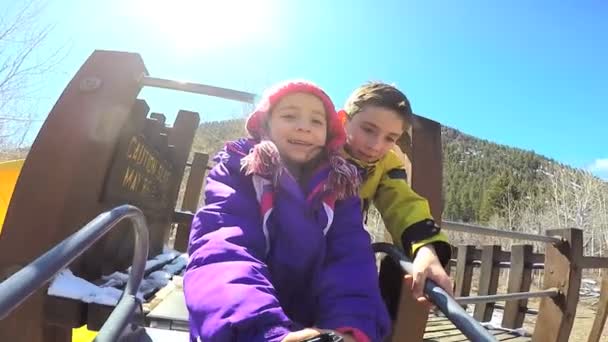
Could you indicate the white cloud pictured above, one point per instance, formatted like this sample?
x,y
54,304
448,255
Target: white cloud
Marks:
x,y
600,168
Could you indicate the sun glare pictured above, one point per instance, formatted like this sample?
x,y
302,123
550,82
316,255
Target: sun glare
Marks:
x,y
190,26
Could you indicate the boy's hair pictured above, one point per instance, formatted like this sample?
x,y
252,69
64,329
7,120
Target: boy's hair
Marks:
x,y
381,95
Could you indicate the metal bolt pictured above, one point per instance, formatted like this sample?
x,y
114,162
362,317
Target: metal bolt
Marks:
x,y
89,84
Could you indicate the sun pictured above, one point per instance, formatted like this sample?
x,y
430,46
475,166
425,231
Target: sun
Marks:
x,y
190,26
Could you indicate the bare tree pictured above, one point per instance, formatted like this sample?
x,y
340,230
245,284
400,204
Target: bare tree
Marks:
x,y
24,59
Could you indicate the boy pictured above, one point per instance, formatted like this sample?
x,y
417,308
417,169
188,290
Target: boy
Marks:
x,y
377,115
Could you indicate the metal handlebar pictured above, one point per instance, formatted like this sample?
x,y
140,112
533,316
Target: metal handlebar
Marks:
x,y
446,303
21,285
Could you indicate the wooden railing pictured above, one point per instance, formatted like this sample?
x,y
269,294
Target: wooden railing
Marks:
x,y
562,264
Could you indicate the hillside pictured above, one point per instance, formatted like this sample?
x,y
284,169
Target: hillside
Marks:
x,y
211,136
489,183
477,172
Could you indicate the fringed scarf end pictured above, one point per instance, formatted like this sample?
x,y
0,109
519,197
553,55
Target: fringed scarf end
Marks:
x,y
263,160
344,178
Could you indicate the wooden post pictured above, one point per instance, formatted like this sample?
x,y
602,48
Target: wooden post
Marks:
x,y
602,311
427,165
192,196
425,162
562,270
464,271
181,137
488,281
520,279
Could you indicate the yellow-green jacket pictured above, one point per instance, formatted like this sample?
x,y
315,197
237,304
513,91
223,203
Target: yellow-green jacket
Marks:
x,y
406,214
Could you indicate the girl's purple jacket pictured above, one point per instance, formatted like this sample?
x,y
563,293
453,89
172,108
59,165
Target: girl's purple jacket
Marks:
x,y
257,272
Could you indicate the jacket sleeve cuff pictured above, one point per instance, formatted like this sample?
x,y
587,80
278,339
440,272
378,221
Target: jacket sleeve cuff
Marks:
x,y
444,252
442,249
420,234
357,334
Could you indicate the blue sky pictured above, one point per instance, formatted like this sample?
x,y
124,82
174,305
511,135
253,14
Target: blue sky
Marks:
x,y
528,74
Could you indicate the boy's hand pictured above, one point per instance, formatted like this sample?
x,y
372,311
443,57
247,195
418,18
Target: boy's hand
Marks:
x,y
427,265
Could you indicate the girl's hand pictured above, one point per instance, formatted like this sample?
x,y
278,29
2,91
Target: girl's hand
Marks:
x,y
427,265
304,334
301,335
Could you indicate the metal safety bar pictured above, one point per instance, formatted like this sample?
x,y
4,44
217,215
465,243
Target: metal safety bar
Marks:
x,y
526,310
21,285
507,264
550,292
446,303
502,264
479,230
198,88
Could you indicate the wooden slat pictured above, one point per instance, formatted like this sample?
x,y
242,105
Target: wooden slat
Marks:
x,y
505,336
439,327
454,335
171,308
180,138
602,311
176,284
518,339
488,281
445,331
64,312
594,262
537,258
56,333
443,335
562,270
194,186
504,256
97,315
192,196
520,279
153,128
464,271
434,318
430,323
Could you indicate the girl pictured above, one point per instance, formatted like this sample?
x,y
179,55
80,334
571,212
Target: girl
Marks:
x,y
279,252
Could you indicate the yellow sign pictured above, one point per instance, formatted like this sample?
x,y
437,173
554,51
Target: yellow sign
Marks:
x,y
9,172
144,170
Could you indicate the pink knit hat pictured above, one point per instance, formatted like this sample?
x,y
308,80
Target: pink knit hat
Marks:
x,y
264,158
336,136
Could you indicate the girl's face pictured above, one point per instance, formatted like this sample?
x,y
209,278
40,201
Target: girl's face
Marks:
x,y
372,132
298,127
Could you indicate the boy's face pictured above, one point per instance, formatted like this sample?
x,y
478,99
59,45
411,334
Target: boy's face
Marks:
x,y
372,132
298,126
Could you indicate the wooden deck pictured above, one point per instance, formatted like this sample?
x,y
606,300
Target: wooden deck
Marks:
x,y
169,312
440,329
